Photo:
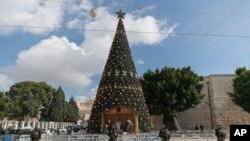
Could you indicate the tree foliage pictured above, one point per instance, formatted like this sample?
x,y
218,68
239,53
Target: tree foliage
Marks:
x,y
169,91
26,98
3,106
56,110
241,84
71,111
61,110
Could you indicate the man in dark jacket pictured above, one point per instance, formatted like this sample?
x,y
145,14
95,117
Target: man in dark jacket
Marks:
x,y
164,134
113,133
35,135
220,134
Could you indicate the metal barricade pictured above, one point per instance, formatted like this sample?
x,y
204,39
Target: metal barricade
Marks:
x,y
149,136
187,135
138,138
87,137
12,137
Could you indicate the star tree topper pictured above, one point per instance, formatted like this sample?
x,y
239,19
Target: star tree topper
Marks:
x,y
120,14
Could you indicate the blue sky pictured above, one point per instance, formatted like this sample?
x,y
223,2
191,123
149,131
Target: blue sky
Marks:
x,y
43,40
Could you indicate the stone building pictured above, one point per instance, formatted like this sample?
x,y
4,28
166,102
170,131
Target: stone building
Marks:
x,y
85,109
216,108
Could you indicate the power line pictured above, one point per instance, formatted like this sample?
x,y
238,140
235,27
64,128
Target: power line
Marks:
x,y
226,16
128,31
168,10
199,13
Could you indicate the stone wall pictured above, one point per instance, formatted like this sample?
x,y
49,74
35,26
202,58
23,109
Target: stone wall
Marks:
x,y
226,111
85,109
217,107
156,122
200,114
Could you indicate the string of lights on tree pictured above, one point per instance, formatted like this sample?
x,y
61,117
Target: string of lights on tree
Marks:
x,y
119,85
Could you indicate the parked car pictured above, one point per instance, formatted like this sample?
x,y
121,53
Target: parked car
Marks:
x,y
61,131
24,134
24,137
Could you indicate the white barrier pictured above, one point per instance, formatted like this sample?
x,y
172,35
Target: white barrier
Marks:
x,y
92,137
149,136
138,138
12,137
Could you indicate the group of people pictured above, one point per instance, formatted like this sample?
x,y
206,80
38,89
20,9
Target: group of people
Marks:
x,y
201,128
113,129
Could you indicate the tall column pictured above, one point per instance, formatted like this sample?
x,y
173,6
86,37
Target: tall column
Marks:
x,y
38,124
15,125
56,125
33,124
52,124
46,126
49,125
42,124
5,124
28,123
22,124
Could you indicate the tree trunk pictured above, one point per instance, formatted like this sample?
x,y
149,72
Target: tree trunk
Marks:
x,y
168,120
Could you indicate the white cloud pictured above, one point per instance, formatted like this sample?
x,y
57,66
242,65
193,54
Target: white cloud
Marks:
x,y
149,28
59,61
140,12
74,23
88,96
5,82
99,42
55,60
92,93
81,8
81,98
140,62
30,13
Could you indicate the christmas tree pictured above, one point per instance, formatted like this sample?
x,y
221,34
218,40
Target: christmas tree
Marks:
x,y
119,85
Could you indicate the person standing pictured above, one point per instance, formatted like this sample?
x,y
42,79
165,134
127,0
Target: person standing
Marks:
x,y
196,127
113,133
164,134
35,135
202,128
118,125
123,126
106,130
129,126
220,133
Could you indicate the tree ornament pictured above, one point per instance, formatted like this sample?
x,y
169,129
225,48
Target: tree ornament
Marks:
x,y
124,73
116,73
92,13
109,73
